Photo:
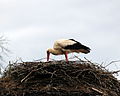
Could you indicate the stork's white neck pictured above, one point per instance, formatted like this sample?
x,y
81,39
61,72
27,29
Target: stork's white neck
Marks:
x,y
55,52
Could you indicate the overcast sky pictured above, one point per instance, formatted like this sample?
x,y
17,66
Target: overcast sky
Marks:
x,y
32,26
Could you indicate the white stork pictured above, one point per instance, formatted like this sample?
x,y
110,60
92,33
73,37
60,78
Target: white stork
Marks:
x,y
65,46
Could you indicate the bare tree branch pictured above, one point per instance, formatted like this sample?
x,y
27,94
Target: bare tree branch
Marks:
x,y
3,50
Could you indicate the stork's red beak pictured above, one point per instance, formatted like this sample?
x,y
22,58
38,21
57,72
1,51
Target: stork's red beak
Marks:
x,y
48,55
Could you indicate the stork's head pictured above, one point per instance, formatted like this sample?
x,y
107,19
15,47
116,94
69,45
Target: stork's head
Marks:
x,y
50,50
54,52
48,54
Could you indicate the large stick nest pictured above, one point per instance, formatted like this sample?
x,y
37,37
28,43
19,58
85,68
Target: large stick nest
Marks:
x,y
57,78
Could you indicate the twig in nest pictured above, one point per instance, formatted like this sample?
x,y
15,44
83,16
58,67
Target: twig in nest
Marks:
x,y
27,76
112,62
52,74
88,60
96,90
39,59
115,72
77,57
43,59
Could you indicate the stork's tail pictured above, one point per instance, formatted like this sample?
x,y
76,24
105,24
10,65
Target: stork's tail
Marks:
x,y
86,49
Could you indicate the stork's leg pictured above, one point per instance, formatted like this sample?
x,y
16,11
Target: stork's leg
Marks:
x,y
66,56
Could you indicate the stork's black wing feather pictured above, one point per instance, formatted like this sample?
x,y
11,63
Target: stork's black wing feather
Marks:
x,y
76,46
74,40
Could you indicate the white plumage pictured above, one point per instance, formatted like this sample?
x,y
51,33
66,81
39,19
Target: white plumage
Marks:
x,y
65,46
61,43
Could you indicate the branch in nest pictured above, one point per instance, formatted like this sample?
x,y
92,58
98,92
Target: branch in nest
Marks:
x,y
112,62
115,72
27,76
78,58
96,90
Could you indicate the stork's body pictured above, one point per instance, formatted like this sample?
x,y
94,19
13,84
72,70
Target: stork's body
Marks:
x,y
65,46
